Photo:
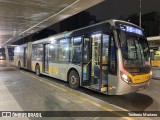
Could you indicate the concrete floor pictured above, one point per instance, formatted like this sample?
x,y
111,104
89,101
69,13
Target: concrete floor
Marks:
x,y
21,90
156,72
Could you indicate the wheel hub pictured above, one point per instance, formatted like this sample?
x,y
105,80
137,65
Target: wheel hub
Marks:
x,y
73,80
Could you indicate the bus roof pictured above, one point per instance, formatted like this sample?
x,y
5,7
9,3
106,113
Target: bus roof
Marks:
x,y
68,33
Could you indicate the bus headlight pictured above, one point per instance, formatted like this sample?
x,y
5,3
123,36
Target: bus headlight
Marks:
x,y
125,78
1,57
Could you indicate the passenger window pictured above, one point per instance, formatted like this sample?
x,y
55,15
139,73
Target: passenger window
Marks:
x,y
64,50
53,50
37,52
86,57
76,54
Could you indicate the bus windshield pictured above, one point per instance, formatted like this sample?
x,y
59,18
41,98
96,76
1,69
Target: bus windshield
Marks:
x,y
135,50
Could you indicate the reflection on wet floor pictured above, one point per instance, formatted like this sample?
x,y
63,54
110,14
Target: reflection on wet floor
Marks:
x,y
3,63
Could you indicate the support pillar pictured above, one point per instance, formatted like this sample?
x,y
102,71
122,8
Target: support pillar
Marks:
x,y
7,56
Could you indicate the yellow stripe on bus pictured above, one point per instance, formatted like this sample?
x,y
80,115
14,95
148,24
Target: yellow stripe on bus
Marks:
x,y
53,70
139,78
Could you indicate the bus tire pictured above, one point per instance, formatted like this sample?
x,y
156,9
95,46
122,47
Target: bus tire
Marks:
x,y
19,65
37,70
74,79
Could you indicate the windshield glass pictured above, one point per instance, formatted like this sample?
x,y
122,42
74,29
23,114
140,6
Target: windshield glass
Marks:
x,y
135,50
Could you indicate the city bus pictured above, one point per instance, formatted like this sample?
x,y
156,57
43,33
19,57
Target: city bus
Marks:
x,y
155,57
111,57
2,54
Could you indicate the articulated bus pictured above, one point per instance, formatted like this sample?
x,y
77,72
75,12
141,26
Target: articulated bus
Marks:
x,y
111,57
2,54
155,57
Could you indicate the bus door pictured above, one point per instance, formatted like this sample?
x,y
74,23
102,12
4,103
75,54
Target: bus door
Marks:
x,y
99,64
112,67
46,58
86,62
104,61
96,62
25,57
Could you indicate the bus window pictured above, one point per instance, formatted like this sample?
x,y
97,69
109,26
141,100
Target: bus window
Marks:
x,y
86,51
53,50
64,50
37,52
76,53
105,46
112,67
151,54
105,49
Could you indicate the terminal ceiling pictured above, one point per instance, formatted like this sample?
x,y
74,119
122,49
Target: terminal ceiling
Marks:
x,y
19,18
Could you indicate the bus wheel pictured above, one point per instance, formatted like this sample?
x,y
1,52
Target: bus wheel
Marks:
x,y
19,65
74,79
37,70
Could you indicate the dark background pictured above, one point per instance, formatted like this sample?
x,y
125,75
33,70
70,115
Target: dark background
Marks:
x,y
127,10
118,9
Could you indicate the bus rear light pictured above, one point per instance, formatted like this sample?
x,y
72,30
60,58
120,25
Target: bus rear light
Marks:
x,y
125,78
